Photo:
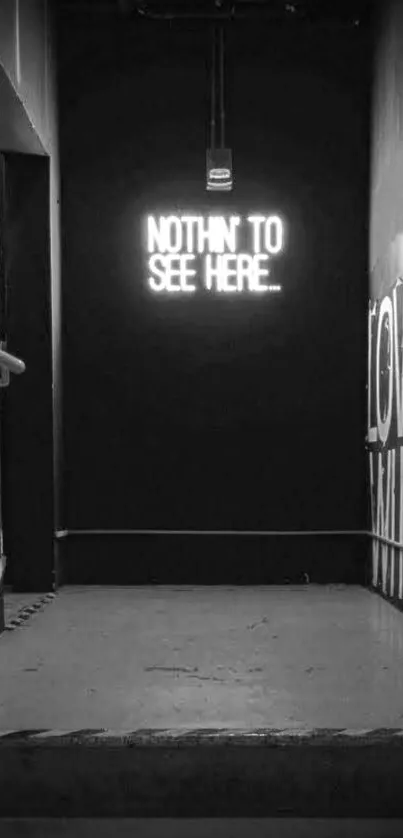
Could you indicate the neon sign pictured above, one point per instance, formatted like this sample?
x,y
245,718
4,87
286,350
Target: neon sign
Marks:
x,y
189,253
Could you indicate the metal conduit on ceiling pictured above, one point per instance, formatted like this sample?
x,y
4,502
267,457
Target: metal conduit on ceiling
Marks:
x,y
309,11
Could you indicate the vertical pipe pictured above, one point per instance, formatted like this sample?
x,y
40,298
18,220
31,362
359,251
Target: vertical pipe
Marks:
x,y
222,111
213,89
17,43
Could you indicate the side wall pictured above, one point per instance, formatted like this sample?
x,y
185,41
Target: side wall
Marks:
x,y
385,315
28,125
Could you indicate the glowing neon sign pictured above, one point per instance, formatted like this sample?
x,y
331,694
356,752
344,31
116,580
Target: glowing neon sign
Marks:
x,y
188,253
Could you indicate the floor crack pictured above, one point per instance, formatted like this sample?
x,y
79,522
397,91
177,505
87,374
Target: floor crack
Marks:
x,y
171,669
259,623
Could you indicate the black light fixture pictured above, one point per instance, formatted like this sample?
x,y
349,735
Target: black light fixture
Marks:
x,y
218,158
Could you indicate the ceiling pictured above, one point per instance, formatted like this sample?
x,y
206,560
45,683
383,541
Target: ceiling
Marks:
x,y
353,13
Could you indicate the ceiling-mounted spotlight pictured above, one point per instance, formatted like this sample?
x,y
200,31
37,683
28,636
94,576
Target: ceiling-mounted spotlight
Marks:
x,y
219,170
218,158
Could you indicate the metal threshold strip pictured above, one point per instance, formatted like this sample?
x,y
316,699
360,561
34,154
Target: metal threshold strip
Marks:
x,y
245,533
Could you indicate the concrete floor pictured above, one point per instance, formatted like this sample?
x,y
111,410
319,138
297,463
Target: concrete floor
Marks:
x,y
15,604
201,828
164,657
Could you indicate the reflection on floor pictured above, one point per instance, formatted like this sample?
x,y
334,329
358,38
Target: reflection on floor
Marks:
x,y
164,657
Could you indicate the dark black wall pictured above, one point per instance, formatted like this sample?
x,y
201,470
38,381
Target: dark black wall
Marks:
x,y
208,412
27,427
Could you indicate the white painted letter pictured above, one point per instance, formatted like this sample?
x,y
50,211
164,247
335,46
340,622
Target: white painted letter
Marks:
x,y
383,515
372,432
383,422
398,367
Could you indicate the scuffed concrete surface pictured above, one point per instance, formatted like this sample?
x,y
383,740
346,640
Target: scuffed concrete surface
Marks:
x,y
169,657
14,604
200,828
